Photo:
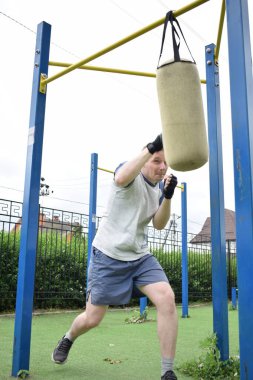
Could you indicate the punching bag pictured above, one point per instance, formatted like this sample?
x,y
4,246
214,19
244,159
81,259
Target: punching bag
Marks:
x,y
181,107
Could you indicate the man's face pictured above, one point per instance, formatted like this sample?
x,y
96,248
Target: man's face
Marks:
x,y
155,168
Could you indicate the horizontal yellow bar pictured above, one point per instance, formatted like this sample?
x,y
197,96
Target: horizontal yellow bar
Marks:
x,y
220,28
109,171
109,70
104,69
105,170
122,42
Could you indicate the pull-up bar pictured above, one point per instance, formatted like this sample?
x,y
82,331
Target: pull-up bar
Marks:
x,y
105,170
44,81
105,69
109,70
140,73
110,171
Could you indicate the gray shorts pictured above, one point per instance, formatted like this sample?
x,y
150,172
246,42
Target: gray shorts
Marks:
x,y
115,282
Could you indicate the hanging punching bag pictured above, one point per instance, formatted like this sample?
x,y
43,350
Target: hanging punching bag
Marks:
x,y
181,108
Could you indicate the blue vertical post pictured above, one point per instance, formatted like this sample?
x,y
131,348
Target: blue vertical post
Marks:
x,y
92,206
143,305
30,213
241,89
219,272
184,251
233,298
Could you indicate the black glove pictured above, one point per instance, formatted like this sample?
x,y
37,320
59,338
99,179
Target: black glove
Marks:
x,y
168,190
156,145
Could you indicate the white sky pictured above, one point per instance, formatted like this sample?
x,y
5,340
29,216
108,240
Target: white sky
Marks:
x,y
111,114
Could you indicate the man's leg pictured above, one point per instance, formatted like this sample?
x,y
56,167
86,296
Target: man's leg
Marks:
x,y
162,296
85,321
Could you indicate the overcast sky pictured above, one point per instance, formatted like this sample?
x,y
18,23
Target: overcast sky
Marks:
x,y
87,111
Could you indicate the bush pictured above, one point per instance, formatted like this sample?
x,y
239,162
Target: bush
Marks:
x,y
209,366
9,249
199,273
60,271
60,280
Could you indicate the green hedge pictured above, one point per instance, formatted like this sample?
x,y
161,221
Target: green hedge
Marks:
x,y
60,271
199,274
60,280
9,248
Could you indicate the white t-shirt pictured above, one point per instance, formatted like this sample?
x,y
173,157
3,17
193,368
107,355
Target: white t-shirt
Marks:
x,y
122,233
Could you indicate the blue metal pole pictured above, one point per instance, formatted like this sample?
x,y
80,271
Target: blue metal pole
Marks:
x,y
92,206
219,272
30,213
143,304
241,89
233,298
184,251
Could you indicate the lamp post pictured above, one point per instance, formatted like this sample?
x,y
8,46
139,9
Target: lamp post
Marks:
x,y
44,188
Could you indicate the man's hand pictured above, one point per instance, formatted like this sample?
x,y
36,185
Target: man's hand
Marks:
x,y
169,186
156,145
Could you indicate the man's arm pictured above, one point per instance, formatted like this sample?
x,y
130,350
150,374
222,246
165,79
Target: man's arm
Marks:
x,y
162,215
130,169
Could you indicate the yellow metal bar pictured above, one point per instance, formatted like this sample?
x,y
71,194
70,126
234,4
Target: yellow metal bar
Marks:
x,y
122,42
105,170
110,171
104,69
222,16
109,70
188,7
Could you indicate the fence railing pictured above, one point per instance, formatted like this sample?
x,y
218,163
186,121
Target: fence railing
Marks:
x,y
61,259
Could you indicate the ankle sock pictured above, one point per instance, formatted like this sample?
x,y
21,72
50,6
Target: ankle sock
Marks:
x,y
167,365
69,336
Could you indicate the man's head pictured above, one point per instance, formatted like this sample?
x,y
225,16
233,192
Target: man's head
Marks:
x,y
155,168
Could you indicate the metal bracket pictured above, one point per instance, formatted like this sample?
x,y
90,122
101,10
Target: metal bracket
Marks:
x,y
43,87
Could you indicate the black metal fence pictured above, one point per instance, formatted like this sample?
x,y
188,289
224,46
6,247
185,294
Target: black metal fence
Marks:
x,y
60,279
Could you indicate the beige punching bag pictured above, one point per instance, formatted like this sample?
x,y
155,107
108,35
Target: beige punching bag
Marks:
x,y
181,109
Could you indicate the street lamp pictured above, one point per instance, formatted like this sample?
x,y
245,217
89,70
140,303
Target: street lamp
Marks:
x,y
44,188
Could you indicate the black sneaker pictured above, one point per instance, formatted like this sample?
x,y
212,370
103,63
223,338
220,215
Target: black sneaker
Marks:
x,y
60,354
169,375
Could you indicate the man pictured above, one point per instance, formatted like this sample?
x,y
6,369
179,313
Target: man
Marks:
x,y
121,264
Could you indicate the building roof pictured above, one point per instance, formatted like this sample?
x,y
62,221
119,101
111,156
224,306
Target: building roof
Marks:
x,y
204,236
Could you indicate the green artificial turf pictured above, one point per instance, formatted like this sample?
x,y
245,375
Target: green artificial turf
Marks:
x,y
114,350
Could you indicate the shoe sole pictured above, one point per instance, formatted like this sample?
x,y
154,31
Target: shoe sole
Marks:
x,y
57,362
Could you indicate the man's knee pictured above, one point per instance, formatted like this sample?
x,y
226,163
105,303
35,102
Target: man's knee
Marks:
x,y
92,322
168,299
162,296
94,315
165,299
